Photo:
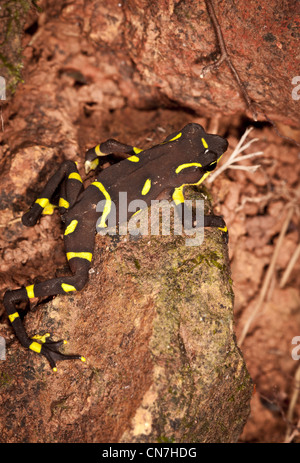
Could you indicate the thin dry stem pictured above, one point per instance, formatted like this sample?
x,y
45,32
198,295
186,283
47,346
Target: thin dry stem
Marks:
x,y
268,277
1,118
295,394
290,267
17,219
225,57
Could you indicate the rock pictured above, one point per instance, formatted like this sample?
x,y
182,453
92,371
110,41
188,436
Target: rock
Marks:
x,y
155,323
88,59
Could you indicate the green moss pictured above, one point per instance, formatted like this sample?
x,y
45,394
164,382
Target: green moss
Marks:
x,y
137,264
165,440
13,17
211,258
192,294
14,71
58,405
5,379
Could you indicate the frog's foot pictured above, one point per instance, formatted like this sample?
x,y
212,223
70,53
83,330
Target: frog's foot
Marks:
x,y
225,235
50,350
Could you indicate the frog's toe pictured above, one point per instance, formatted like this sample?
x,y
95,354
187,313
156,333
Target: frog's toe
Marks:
x,y
30,218
50,350
225,235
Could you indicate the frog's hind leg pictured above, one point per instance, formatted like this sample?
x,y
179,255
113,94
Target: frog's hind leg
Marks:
x,y
79,262
62,285
68,179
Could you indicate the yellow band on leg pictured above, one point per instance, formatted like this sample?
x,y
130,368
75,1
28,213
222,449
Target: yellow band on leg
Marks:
x,y
36,347
30,291
63,203
43,202
40,337
81,255
75,176
49,209
13,316
67,288
178,196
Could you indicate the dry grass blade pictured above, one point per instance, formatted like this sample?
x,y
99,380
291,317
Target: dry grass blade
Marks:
x,y
295,394
268,277
290,267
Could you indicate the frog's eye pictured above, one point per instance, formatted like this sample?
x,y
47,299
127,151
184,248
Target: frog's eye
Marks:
x,y
211,166
210,158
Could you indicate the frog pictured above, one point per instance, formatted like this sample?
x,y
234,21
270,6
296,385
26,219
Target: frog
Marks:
x,y
185,157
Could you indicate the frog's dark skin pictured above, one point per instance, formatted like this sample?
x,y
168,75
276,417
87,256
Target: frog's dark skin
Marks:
x,y
183,158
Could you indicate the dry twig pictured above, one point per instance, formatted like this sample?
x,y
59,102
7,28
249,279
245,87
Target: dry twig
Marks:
x,y
252,105
225,57
240,147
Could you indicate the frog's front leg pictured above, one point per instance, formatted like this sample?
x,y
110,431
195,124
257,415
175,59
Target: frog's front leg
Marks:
x,y
209,220
111,146
79,243
68,179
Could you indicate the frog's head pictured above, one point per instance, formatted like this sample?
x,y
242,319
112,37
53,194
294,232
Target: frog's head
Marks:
x,y
205,148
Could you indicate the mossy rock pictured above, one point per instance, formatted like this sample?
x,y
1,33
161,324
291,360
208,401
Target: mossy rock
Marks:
x,y
155,323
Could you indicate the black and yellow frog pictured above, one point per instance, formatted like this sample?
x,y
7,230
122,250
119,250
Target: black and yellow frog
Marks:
x,y
183,158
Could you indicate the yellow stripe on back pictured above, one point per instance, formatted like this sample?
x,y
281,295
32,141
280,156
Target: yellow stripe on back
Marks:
x,y
133,158
172,139
146,187
204,143
176,136
185,166
71,227
107,206
136,212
